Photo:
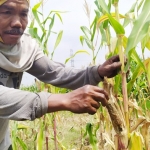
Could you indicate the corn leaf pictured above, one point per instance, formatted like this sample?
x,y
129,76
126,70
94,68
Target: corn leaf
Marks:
x,y
59,37
140,27
22,144
104,6
81,39
40,137
79,51
105,17
92,138
94,29
22,126
116,25
86,31
135,141
35,13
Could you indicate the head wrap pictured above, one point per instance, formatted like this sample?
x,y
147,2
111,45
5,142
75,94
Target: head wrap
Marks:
x,y
1,3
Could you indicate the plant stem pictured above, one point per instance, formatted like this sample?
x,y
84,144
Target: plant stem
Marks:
x,y
124,80
125,98
108,39
117,11
55,131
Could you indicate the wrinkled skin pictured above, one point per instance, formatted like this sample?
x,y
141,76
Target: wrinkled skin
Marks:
x,y
86,99
14,14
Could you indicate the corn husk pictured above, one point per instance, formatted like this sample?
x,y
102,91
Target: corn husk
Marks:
x,y
117,119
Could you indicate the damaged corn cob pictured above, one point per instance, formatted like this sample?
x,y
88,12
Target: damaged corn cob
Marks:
x,y
117,118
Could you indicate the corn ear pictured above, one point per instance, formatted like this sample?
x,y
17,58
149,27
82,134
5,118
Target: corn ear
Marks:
x,y
117,118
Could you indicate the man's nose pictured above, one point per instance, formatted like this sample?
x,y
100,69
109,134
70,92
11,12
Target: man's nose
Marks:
x,y
16,22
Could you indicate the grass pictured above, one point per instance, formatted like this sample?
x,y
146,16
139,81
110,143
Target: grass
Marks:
x,y
70,131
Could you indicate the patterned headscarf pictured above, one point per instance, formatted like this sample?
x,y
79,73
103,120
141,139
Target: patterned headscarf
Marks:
x,y
1,3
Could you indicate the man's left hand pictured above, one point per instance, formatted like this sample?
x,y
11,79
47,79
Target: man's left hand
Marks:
x,y
110,67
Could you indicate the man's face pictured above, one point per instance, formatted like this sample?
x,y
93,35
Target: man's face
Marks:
x,y
14,19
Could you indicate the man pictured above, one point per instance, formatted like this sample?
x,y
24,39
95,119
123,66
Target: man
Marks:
x,y
19,53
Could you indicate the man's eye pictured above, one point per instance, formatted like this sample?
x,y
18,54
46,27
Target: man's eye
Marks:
x,y
24,14
6,12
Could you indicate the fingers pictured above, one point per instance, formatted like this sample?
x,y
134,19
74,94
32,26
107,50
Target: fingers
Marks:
x,y
101,98
92,111
102,92
86,99
95,104
116,66
115,58
100,95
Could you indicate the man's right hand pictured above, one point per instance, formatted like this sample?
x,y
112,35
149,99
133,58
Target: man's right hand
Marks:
x,y
82,100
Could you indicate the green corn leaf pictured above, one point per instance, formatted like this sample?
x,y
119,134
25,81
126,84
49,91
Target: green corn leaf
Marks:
x,y
14,141
94,29
104,18
148,105
86,31
34,33
35,13
97,12
117,83
148,70
140,27
92,138
59,16
59,37
43,35
22,144
78,52
88,42
103,35
22,126
50,28
81,39
136,58
40,137
138,71
104,6
116,25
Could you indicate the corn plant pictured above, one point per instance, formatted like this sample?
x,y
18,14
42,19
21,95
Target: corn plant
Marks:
x,y
41,24
124,105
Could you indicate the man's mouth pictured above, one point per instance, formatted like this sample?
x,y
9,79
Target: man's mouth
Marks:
x,y
14,32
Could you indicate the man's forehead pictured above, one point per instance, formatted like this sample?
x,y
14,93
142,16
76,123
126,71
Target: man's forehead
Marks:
x,y
3,1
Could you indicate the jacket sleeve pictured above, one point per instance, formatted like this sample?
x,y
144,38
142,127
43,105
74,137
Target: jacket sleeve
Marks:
x,y
59,75
22,105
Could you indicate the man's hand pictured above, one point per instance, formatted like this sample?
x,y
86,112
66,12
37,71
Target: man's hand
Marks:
x,y
82,100
110,67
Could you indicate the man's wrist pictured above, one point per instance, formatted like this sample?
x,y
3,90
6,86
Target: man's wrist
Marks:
x,y
57,102
98,70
